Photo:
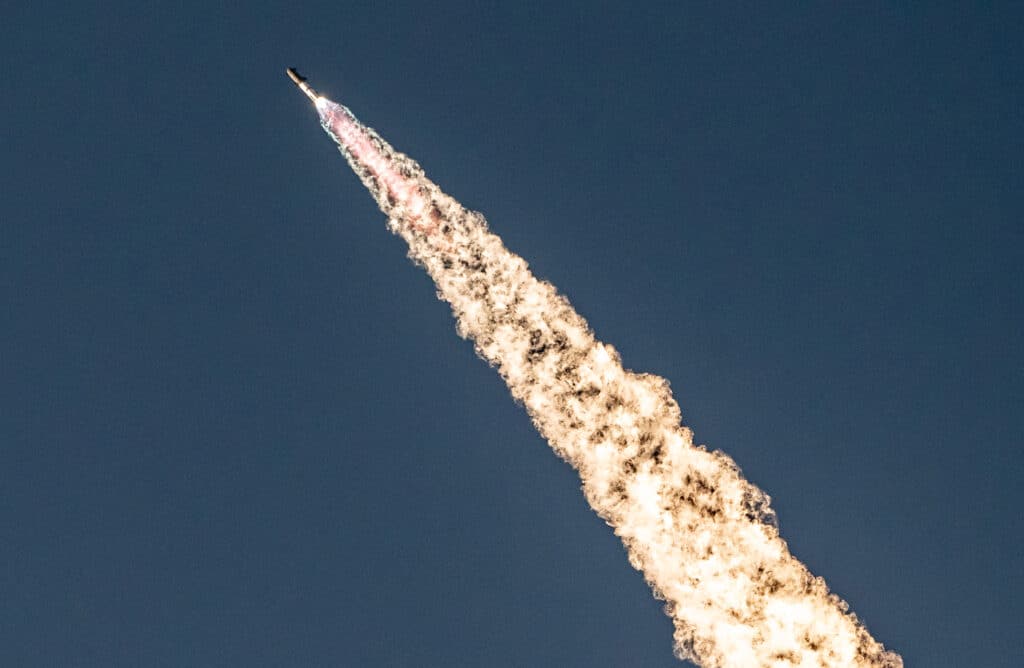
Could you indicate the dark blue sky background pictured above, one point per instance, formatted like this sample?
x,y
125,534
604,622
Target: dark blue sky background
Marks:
x,y
238,429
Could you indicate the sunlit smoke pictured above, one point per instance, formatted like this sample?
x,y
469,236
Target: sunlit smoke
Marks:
x,y
704,537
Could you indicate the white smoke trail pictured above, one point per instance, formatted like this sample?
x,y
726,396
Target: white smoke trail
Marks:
x,y
703,536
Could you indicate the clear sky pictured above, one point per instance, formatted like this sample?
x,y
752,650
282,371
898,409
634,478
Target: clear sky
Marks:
x,y
238,428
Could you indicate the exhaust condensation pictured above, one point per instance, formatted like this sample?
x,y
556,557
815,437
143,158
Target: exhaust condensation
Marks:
x,y
704,537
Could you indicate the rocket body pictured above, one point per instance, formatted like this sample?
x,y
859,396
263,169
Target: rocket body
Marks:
x,y
300,81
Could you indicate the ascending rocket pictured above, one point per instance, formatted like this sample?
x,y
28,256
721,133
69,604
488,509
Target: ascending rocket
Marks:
x,y
300,81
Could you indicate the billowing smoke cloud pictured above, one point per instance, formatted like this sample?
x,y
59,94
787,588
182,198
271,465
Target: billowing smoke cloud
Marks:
x,y
703,536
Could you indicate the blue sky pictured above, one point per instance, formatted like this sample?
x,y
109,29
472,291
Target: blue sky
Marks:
x,y
239,428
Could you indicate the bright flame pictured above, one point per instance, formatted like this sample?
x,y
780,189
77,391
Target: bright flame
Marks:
x,y
704,537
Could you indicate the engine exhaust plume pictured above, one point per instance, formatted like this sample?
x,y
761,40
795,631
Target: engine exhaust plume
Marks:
x,y
704,537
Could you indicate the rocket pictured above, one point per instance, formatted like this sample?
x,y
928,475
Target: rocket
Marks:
x,y
300,81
